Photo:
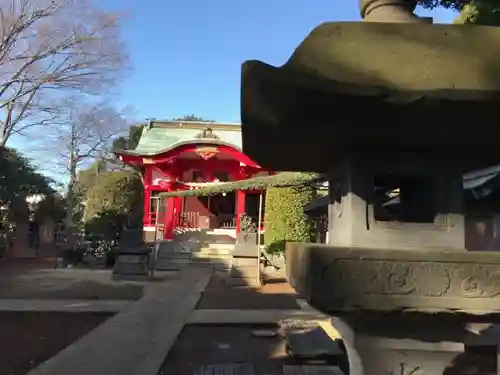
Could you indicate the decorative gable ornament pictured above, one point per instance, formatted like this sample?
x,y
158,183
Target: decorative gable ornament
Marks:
x,y
206,152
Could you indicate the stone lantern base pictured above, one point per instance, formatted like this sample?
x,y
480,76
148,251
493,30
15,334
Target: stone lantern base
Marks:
x,y
404,312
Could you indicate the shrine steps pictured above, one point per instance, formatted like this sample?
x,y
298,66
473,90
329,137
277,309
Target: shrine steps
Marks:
x,y
176,255
203,237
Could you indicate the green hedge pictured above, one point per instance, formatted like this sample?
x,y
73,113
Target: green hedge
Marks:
x,y
285,219
114,197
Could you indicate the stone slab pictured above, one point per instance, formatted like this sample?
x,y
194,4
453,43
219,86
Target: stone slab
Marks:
x,y
63,305
217,316
342,279
311,343
242,368
136,341
311,370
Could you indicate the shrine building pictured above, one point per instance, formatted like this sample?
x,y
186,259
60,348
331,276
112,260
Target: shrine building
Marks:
x,y
180,155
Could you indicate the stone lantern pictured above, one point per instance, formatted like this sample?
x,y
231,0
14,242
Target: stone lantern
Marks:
x,y
394,110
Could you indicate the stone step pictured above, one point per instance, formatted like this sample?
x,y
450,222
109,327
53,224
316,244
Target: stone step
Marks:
x,y
213,252
224,269
175,264
221,246
244,271
170,267
227,261
165,254
209,250
172,262
243,281
245,262
226,266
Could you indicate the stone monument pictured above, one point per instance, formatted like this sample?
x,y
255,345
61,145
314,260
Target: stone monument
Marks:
x,y
394,110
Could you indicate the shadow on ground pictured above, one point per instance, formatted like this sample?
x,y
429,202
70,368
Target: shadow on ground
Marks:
x,y
274,295
221,348
33,337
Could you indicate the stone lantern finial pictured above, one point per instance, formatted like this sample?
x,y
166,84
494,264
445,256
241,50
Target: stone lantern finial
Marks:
x,y
398,11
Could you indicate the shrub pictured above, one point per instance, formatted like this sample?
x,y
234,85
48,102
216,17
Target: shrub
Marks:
x,y
285,219
115,197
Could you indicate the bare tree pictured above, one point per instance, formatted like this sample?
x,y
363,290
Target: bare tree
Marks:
x,y
84,134
48,47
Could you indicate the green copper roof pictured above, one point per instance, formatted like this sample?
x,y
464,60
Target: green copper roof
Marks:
x,y
156,138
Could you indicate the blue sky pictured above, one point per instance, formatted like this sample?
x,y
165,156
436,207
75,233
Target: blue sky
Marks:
x,y
187,54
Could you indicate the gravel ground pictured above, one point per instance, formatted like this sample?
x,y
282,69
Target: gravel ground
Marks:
x,y
46,283
218,295
30,338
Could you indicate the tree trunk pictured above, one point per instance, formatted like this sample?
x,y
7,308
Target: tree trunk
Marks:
x,y
70,195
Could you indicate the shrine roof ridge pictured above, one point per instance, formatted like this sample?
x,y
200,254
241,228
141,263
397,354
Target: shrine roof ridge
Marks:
x,y
207,142
215,125
161,136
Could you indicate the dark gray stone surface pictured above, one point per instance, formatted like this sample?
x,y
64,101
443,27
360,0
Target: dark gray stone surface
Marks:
x,y
287,112
311,343
352,220
311,370
132,264
243,368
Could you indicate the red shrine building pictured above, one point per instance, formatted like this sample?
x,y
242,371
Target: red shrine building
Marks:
x,y
180,155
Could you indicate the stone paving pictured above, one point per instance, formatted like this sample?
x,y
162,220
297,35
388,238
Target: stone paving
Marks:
x,y
59,305
136,341
250,316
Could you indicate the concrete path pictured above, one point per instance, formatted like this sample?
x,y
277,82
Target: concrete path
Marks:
x,y
136,341
55,305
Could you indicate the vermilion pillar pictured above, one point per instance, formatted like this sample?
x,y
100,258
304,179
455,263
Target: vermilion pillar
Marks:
x,y
178,211
147,196
147,205
240,208
169,218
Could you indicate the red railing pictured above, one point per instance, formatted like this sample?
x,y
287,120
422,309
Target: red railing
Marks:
x,y
189,219
226,221
151,218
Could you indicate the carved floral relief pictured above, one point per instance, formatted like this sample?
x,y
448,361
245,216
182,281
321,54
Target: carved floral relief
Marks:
x,y
356,277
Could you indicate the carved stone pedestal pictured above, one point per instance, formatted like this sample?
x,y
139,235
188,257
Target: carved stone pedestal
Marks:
x,y
404,312
398,345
